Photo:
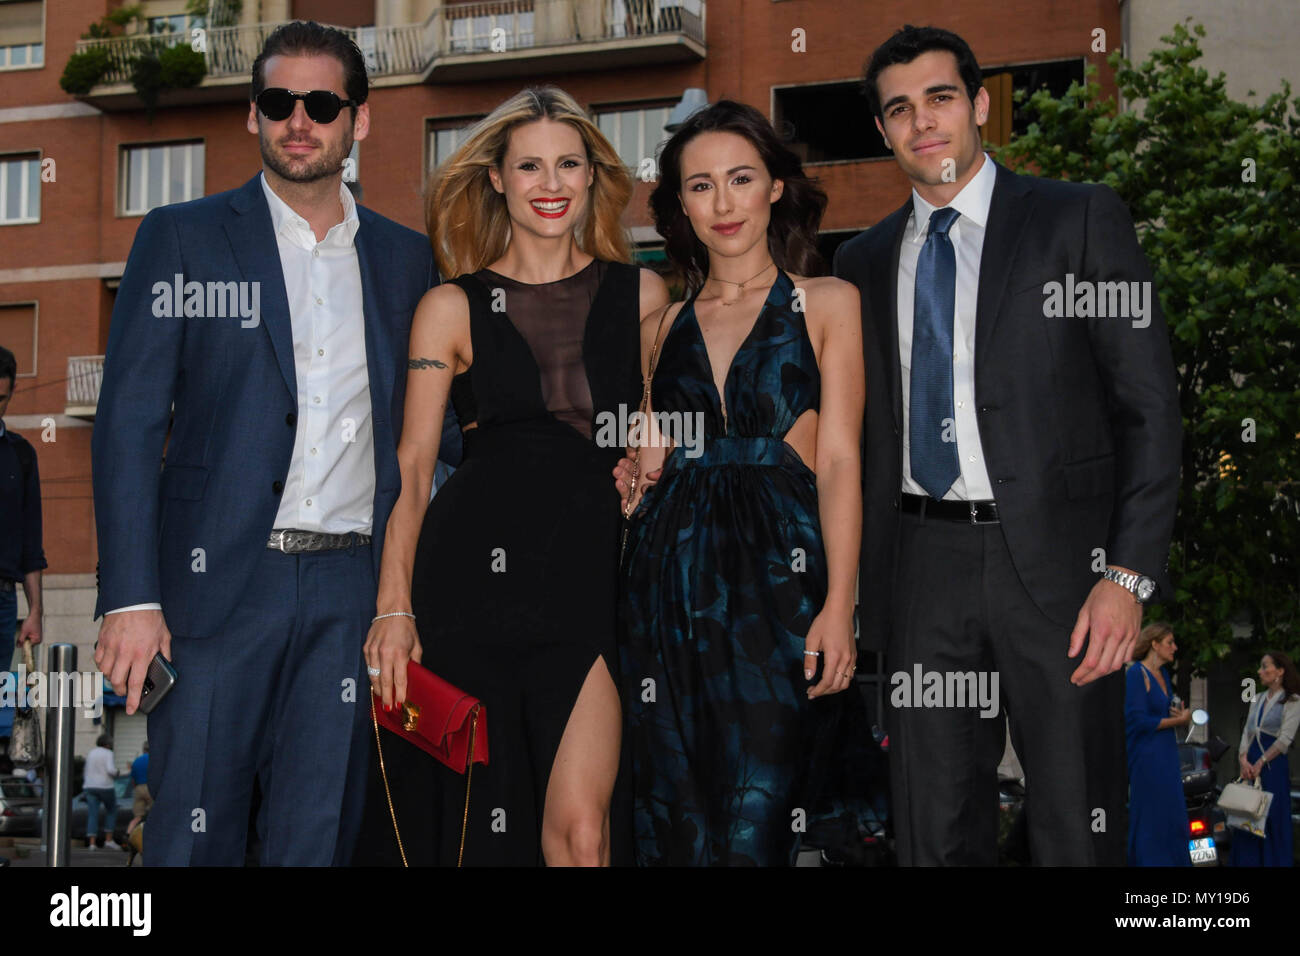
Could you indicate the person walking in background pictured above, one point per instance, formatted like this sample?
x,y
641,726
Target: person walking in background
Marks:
x,y
1005,452
100,791
1270,728
21,556
1157,810
142,799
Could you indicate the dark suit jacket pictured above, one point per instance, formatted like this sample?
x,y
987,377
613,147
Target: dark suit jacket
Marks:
x,y
1078,417
235,400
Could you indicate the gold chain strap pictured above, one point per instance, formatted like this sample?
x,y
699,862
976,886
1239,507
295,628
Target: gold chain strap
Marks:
x,y
384,773
645,402
469,776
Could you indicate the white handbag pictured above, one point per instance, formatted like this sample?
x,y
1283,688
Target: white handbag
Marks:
x,y
1245,799
1246,805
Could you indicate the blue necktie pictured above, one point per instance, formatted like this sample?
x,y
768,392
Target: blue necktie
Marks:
x,y
934,461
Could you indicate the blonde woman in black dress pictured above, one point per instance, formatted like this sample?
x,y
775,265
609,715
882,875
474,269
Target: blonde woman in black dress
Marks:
x,y
511,571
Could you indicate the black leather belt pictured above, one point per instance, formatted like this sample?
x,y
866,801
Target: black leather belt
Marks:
x,y
967,512
294,542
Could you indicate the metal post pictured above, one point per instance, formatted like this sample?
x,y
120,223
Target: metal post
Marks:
x,y
59,722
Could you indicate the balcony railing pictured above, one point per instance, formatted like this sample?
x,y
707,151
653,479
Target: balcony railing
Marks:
x,y
459,33
230,51
499,26
85,374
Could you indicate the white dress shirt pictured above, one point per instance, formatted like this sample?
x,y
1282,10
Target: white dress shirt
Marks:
x,y
331,482
967,237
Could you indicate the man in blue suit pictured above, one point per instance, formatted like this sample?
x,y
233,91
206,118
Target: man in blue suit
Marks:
x,y
268,327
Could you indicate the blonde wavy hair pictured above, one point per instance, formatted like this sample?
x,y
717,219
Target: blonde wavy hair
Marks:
x,y
466,218
1153,633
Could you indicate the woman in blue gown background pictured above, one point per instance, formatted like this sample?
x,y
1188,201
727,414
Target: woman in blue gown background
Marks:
x,y
1270,728
1157,810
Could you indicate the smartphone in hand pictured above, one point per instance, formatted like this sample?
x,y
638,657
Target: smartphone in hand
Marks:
x,y
158,680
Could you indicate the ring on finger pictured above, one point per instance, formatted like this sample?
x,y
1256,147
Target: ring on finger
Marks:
x,y
373,671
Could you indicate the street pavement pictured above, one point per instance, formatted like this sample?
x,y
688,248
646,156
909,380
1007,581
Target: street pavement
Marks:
x,y
27,851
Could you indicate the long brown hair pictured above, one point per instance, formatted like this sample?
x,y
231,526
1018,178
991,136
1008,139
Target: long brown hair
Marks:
x,y
796,216
466,218
1290,679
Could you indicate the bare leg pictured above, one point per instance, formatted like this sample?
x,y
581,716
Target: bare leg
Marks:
x,y
575,823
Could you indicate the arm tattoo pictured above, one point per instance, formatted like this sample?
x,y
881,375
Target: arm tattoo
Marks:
x,y
425,363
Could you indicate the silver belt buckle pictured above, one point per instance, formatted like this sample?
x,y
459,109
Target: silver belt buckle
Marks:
x,y
278,539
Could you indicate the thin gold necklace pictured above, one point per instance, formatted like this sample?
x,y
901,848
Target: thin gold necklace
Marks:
x,y
740,286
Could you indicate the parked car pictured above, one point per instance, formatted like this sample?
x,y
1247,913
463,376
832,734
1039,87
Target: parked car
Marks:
x,y
20,807
78,818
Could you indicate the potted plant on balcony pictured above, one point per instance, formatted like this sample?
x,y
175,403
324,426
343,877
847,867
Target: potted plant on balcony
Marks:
x,y
160,67
85,69
156,59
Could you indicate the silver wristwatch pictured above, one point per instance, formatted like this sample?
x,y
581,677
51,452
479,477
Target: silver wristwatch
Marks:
x,y
1140,586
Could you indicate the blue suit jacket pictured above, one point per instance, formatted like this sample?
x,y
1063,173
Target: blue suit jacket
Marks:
x,y
230,395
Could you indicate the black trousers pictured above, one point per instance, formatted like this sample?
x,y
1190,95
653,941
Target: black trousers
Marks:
x,y
961,610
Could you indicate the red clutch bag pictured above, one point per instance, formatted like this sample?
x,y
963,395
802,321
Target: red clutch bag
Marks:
x,y
443,721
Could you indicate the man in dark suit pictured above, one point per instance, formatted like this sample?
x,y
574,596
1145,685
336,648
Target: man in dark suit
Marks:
x,y
1021,452
269,327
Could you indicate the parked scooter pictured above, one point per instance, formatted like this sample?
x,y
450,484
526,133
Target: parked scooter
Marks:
x,y
1208,832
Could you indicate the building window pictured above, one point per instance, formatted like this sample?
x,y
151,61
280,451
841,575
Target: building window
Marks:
x,y
634,17
470,30
18,334
445,136
829,240
1008,118
22,56
22,35
157,174
177,23
827,122
20,189
635,134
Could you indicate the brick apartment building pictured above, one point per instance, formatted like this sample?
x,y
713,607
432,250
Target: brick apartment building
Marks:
x,y
78,173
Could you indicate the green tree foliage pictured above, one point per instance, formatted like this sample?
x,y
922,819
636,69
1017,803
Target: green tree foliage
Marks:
x,y
1212,187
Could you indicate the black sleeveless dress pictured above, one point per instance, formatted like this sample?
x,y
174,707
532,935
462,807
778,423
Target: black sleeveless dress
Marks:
x,y
515,574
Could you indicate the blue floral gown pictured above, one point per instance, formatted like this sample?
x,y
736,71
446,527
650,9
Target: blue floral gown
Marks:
x,y
724,573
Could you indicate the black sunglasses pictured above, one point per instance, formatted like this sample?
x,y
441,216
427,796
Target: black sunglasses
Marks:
x,y
322,105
